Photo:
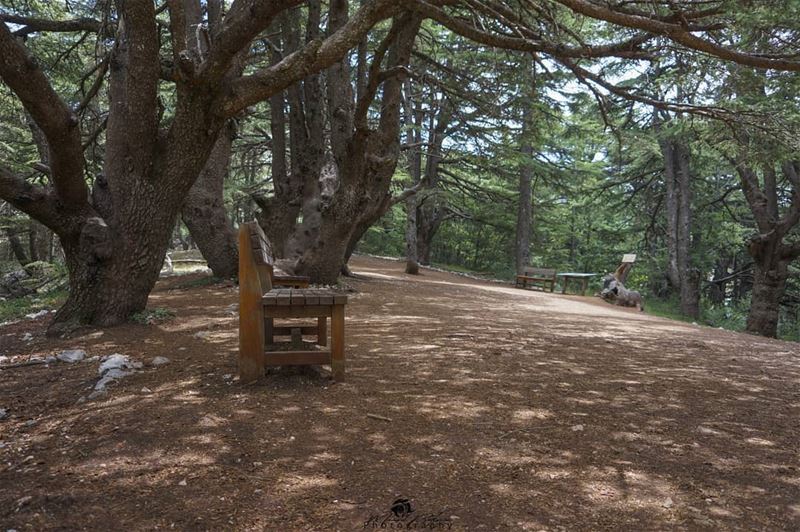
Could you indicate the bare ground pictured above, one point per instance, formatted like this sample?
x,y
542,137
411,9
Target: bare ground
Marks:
x,y
508,409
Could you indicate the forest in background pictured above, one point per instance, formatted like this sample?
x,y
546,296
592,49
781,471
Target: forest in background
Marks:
x,y
478,136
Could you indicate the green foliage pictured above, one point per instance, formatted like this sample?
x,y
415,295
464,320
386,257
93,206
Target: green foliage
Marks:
x,y
17,308
152,316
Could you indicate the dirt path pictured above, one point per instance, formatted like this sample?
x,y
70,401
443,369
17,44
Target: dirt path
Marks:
x,y
509,410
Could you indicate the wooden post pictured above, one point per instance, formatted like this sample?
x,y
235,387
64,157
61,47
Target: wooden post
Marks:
x,y
251,313
269,331
337,342
322,331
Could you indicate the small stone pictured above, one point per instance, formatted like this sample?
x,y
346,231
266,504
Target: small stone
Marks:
x,y
146,390
3,413
227,376
37,315
70,356
93,359
668,503
577,428
50,360
182,482
27,337
257,464
258,491
159,361
4,359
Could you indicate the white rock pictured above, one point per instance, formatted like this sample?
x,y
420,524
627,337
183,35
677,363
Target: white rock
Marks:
x,y
110,376
577,428
71,356
27,337
115,367
93,359
37,315
668,503
3,413
159,361
118,361
201,334
4,359
182,482
146,390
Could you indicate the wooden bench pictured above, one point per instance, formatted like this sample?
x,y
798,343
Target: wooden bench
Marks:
x,y
260,303
544,276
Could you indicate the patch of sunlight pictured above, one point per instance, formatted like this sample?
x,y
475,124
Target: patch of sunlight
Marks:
x,y
502,489
501,456
423,347
211,421
527,414
552,474
297,483
760,441
203,439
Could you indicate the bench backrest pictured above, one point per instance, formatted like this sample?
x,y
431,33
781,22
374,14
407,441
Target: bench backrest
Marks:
x,y
259,252
529,271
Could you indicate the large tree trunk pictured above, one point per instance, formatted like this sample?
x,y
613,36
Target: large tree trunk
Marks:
x,y
353,189
522,248
683,277
413,137
770,252
769,283
17,249
204,211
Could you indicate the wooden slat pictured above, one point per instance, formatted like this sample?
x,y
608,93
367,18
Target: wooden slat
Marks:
x,y
287,330
339,299
316,311
311,297
284,297
297,358
325,297
298,298
270,298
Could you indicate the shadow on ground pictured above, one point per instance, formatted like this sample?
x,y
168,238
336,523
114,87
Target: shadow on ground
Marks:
x,y
503,409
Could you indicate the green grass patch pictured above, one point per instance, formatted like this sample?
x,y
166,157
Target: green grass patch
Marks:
x,y
665,308
151,316
17,308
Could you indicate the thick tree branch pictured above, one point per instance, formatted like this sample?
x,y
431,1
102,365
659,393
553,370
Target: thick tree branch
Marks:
x,y
19,70
38,202
245,20
33,25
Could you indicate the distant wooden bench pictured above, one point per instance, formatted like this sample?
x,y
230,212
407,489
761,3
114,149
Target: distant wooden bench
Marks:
x,y
533,276
260,303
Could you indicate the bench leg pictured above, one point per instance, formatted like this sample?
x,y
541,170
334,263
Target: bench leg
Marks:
x,y
552,286
269,336
337,342
583,287
564,286
322,331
